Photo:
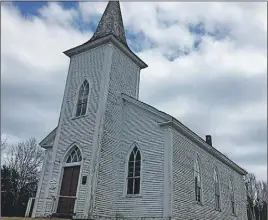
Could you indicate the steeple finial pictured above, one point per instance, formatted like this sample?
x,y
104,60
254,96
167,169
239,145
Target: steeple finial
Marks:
x,y
111,22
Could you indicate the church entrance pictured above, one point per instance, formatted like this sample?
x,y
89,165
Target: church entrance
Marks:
x,y
68,190
69,183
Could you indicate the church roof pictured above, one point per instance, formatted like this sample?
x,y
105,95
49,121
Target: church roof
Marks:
x,y
111,22
48,141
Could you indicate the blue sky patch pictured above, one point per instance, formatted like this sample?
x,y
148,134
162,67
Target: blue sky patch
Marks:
x,y
29,8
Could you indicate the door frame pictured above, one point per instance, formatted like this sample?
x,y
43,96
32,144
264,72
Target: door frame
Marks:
x,y
63,164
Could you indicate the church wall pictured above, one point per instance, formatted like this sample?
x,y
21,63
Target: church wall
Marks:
x,y
39,209
184,205
88,65
122,126
141,127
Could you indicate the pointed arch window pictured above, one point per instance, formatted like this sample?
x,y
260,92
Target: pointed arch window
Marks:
x,y
134,168
231,191
217,189
81,106
74,156
197,180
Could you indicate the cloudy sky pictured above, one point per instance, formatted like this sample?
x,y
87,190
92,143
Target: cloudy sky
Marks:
x,y
207,67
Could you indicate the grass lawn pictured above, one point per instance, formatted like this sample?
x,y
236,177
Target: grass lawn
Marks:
x,y
22,218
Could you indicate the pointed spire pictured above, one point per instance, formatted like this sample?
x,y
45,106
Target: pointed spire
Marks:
x,y
111,22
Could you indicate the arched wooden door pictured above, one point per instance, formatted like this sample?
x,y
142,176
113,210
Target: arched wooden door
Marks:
x,y
69,183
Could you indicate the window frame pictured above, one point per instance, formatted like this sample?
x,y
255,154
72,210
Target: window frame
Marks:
x,y
232,196
197,174
77,100
126,178
217,197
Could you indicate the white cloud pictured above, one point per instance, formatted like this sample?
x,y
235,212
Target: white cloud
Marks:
x,y
32,54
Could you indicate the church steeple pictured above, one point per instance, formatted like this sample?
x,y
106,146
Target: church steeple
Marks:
x,y
111,22
110,29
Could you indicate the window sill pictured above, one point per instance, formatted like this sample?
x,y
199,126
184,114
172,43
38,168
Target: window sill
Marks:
x,y
78,117
133,196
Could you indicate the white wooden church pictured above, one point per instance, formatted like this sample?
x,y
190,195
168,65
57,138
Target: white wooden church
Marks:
x,y
112,155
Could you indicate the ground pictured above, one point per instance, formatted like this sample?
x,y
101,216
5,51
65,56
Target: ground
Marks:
x,y
22,218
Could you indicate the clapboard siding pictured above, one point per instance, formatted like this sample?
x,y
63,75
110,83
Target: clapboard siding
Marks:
x,y
124,125
184,205
124,75
89,66
45,181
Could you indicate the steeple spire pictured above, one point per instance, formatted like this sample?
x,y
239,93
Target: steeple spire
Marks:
x,y
111,22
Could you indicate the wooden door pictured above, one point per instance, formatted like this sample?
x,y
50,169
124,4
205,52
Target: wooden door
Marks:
x,y
68,190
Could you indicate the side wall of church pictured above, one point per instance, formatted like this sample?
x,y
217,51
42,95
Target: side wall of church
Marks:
x,y
138,128
88,65
184,205
124,125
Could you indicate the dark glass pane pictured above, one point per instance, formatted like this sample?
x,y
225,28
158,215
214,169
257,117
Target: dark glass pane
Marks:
x,y
232,197
138,156
80,100
85,83
69,159
130,186
130,169
73,153
81,90
217,189
131,157
198,189
84,99
79,155
84,108
75,159
137,186
137,171
233,208
135,149
78,110
86,89
137,164
217,198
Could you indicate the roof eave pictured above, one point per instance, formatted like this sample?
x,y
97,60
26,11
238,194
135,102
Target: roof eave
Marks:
x,y
106,39
43,142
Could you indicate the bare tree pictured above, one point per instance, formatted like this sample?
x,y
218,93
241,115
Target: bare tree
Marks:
x,y
26,158
3,143
256,198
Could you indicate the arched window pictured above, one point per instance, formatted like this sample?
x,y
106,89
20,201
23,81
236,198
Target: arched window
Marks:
x,y
81,105
217,189
134,168
197,180
74,156
231,190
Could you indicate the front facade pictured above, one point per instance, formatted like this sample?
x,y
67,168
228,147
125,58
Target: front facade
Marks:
x,y
114,156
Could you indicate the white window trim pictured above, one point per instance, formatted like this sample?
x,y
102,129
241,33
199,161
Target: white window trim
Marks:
x,y
233,194
201,183
126,172
76,99
219,182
